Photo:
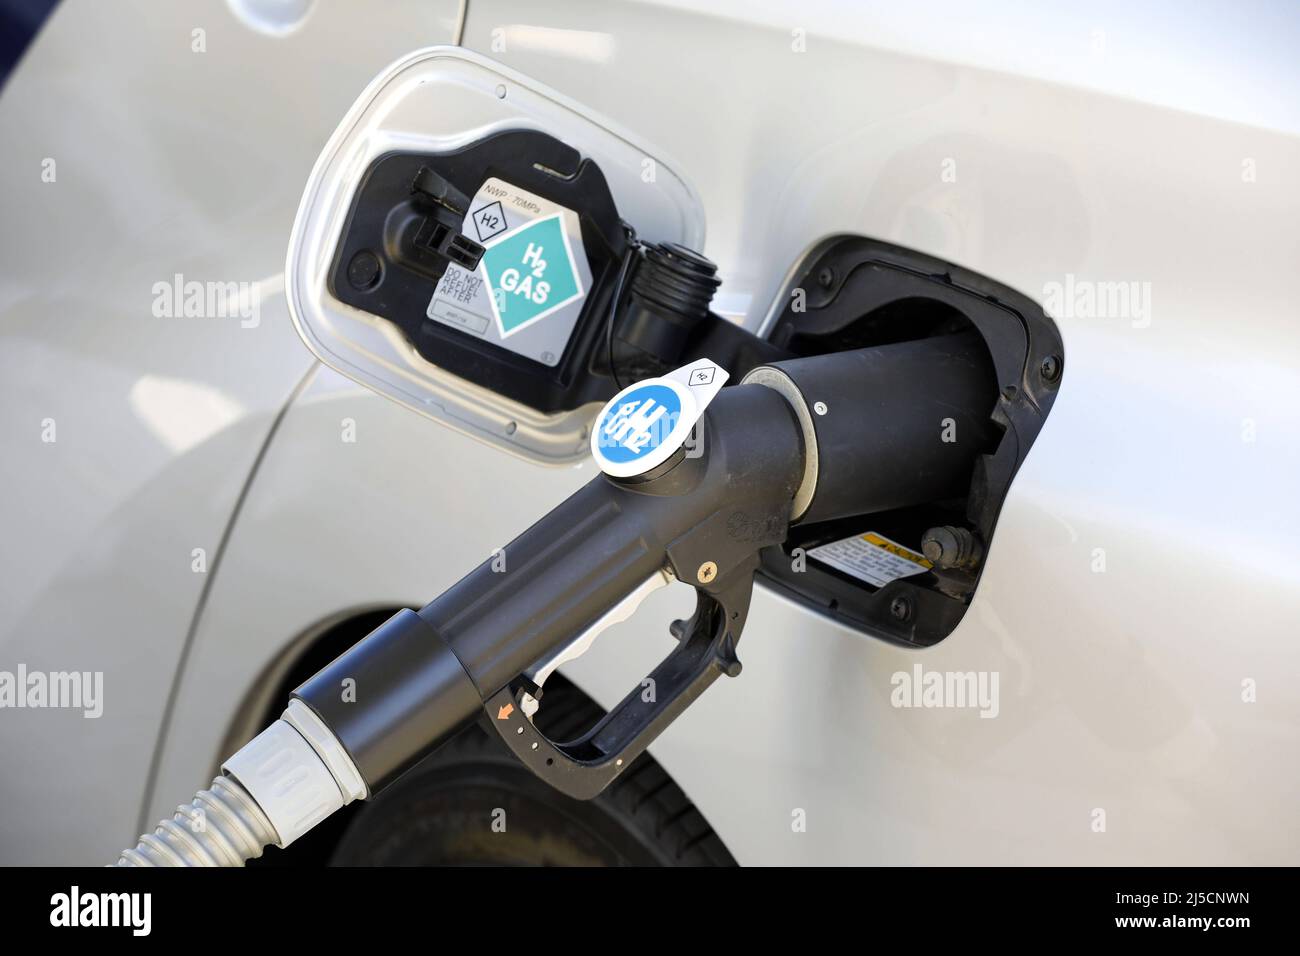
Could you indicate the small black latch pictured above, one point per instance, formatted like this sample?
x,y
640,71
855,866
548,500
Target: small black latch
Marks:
x,y
430,185
439,232
439,238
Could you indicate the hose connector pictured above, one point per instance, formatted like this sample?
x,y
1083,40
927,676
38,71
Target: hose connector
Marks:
x,y
278,786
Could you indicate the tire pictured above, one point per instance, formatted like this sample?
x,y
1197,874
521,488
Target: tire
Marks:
x,y
473,804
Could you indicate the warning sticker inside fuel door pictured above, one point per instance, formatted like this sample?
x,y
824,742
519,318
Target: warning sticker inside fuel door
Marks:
x,y
528,291
871,557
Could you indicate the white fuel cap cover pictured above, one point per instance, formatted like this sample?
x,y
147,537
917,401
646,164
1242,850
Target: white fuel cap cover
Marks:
x,y
643,425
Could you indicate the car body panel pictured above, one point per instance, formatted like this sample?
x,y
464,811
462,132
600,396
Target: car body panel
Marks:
x,y
1139,599
166,161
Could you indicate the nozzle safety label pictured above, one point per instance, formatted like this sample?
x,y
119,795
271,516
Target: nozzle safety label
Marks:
x,y
871,557
528,291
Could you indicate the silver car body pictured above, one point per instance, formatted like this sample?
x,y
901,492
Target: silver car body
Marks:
x,y
200,514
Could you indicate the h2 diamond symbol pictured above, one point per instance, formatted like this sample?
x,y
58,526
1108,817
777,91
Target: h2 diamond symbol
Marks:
x,y
490,221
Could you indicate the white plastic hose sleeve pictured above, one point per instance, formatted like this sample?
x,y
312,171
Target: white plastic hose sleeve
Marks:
x,y
278,786
222,826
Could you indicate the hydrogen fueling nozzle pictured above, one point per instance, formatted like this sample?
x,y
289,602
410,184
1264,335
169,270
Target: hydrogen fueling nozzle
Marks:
x,y
696,480
487,645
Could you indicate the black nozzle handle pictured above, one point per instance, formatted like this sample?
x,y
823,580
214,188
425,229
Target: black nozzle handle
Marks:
x,y
717,504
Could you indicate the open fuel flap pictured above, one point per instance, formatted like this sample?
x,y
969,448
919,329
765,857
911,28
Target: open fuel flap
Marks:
x,y
449,169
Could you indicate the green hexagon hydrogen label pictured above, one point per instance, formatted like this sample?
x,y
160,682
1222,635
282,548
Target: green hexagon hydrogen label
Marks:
x,y
530,273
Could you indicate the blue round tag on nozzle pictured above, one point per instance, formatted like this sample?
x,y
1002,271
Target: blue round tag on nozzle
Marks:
x,y
645,424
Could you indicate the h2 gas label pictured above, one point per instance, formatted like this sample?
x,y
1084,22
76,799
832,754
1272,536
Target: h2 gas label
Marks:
x,y
528,292
530,273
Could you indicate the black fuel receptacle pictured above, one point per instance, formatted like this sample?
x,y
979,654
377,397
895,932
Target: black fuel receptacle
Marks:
x,y
954,377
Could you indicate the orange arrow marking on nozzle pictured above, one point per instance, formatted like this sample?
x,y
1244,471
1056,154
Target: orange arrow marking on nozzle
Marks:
x,y
505,711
